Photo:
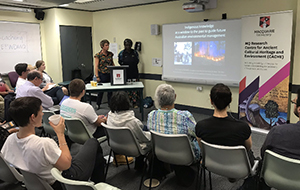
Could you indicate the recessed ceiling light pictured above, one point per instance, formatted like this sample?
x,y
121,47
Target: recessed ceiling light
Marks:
x,y
18,0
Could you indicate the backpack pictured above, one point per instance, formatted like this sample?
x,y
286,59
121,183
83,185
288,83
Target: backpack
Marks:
x,y
148,102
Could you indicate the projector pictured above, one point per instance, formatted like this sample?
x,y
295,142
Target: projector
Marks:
x,y
193,7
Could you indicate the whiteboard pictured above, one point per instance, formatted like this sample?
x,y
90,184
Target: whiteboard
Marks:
x,y
19,43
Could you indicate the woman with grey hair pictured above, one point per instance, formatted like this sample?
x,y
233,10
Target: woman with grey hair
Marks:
x,y
168,120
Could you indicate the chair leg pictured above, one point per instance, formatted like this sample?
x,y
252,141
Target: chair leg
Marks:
x,y
127,163
107,164
115,160
209,173
144,171
151,171
201,169
204,177
197,176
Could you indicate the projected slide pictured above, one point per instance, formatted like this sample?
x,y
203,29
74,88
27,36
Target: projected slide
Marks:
x,y
183,53
203,52
212,52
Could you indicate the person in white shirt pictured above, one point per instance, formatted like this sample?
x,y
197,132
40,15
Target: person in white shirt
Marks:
x,y
74,108
31,88
22,70
39,155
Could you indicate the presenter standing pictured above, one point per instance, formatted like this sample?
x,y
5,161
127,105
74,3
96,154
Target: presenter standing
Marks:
x,y
130,57
103,59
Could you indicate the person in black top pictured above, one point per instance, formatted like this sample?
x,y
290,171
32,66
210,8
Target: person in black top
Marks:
x,y
221,129
129,57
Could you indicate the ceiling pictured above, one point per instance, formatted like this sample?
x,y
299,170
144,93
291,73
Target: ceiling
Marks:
x,y
85,5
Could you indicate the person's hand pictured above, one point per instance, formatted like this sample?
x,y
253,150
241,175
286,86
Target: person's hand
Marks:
x,y
60,127
102,118
98,79
2,122
13,130
11,91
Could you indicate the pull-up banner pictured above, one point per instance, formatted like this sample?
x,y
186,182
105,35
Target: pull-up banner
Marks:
x,y
266,46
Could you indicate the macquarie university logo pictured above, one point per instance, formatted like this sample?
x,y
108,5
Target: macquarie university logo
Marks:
x,y
264,21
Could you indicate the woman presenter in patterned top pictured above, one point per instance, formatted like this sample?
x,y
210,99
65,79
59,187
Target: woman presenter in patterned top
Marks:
x,y
103,59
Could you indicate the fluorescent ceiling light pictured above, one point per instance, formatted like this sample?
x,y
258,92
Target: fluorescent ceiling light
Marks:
x,y
84,1
7,8
64,5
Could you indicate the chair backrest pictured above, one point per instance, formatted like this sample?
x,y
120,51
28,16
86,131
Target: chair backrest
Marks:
x,y
13,77
46,124
172,148
228,161
280,172
122,141
79,185
33,182
77,130
8,173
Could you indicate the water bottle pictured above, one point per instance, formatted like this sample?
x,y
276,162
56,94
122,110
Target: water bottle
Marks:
x,y
95,78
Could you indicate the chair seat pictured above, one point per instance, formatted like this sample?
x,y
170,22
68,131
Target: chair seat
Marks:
x,y
105,186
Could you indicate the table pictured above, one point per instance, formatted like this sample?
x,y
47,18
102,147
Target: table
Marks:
x,y
106,87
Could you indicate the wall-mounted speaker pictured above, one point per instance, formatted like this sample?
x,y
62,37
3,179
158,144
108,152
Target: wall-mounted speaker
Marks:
x,y
39,14
155,29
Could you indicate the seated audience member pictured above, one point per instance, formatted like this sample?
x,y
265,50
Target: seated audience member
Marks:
x,y
221,129
4,88
31,88
47,80
49,88
74,108
169,120
22,70
121,115
276,139
38,155
284,139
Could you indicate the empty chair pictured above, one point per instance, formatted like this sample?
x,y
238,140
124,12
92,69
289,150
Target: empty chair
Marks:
x,y
227,161
78,132
47,127
280,172
122,141
34,182
13,77
79,185
8,173
173,149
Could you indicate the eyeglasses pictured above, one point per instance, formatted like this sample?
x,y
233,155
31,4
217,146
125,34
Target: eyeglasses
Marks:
x,y
293,102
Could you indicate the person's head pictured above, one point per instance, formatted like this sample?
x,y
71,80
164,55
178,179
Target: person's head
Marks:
x,y
40,65
127,44
35,77
104,44
21,69
220,96
76,87
164,96
30,67
296,101
119,101
26,110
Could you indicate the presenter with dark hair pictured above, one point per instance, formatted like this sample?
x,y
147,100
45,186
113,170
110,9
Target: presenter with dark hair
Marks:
x,y
103,59
130,57
221,129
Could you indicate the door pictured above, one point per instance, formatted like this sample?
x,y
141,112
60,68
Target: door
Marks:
x,y
76,51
